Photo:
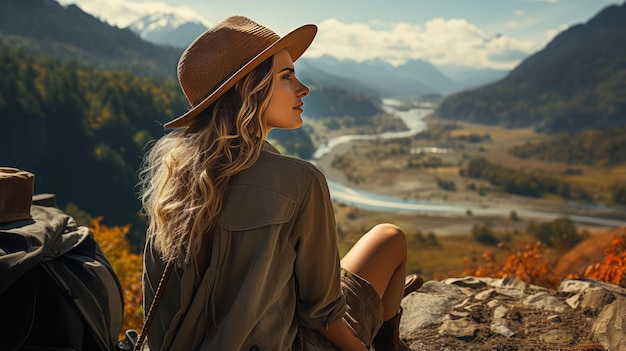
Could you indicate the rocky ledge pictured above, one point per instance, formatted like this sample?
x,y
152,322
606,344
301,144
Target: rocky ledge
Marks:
x,y
510,315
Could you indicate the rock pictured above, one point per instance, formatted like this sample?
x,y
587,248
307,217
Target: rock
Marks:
x,y
511,283
428,305
594,299
485,295
557,337
467,282
610,326
573,301
502,329
461,329
544,301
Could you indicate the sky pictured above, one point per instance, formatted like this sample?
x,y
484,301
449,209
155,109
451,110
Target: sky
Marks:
x,y
450,34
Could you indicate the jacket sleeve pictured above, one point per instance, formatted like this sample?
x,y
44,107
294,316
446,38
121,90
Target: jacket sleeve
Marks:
x,y
317,265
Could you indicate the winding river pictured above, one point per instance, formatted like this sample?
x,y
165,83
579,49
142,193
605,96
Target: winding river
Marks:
x,y
414,120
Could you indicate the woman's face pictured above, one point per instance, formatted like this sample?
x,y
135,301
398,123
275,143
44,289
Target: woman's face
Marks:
x,y
285,106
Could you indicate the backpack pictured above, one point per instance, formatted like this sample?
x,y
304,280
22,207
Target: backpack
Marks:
x,y
58,291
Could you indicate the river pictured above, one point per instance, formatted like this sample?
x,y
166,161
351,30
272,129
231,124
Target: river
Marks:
x,y
414,120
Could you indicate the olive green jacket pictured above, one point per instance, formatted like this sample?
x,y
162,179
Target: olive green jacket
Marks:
x,y
276,227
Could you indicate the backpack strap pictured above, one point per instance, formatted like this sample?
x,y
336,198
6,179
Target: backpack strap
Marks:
x,y
154,305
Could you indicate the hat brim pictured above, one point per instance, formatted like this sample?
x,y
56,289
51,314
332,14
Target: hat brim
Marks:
x,y
296,42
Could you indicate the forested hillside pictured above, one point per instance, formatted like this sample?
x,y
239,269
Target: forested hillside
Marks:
x,y
45,28
577,82
81,131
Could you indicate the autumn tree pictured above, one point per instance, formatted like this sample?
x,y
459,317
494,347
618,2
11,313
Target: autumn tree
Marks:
x,y
524,262
613,267
127,266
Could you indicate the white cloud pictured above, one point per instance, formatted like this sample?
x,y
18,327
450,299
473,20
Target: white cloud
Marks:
x,y
122,13
439,41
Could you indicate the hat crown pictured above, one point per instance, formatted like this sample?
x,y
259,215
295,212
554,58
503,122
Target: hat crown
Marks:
x,y
218,53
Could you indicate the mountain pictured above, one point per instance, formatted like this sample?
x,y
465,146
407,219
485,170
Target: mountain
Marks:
x,y
315,77
577,82
428,75
376,74
167,29
414,78
69,34
470,78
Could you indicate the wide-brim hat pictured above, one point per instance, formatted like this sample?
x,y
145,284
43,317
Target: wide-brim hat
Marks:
x,y
224,54
16,194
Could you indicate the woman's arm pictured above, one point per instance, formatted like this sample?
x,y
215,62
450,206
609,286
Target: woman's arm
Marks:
x,y
342,336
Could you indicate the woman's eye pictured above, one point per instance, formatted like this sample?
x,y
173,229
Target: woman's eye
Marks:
x,y
287,76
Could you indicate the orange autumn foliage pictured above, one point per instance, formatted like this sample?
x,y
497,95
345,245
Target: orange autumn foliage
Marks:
x,y
613,268
526,263
128,267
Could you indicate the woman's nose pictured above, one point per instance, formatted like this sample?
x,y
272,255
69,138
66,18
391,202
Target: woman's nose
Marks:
x,y
303,90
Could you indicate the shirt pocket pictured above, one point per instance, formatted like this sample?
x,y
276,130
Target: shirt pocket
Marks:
x,y
248,207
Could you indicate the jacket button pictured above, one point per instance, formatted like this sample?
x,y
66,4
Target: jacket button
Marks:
x,y
254,348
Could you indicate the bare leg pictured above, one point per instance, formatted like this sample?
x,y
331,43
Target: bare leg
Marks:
x,y
380,258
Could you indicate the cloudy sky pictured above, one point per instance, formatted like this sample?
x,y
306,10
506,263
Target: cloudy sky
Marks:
x,y
448,33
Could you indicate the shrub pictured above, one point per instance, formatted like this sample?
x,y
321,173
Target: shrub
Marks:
x,y
484,234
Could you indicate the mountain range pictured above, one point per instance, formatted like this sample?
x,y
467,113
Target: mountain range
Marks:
x,y
577,82
412,79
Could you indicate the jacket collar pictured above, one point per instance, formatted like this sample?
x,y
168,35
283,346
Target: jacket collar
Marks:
x,y
269,147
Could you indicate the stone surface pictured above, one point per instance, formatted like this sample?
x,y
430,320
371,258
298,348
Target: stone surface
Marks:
x,y
610,326
483,314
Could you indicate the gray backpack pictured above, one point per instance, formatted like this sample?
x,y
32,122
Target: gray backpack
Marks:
x,y
57,288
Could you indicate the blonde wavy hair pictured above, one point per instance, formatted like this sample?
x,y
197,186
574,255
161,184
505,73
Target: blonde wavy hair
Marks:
x,y
185,174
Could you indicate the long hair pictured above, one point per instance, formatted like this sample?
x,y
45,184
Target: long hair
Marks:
x,y
185,174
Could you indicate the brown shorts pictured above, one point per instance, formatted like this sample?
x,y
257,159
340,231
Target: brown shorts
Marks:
x,y
364,313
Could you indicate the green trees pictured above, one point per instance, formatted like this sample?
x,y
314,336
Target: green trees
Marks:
x,y
81,131
520,182
560,233
593,147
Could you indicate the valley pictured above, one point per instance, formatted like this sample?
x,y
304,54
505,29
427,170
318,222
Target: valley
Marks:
x,y
407,168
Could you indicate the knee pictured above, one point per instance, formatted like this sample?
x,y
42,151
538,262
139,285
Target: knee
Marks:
x,y
393,235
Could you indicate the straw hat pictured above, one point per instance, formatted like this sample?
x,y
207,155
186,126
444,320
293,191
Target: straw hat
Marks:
x,y
224,54
16,194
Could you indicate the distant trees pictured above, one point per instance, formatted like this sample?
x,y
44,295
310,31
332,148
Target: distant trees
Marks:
x,y
618,193
483,233
593,147
297,142
520,182
560,233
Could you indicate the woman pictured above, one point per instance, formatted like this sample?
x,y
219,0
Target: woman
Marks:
x,y
252,232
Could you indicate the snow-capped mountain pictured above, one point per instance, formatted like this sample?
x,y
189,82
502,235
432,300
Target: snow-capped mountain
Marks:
x,y
155,22
167,29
